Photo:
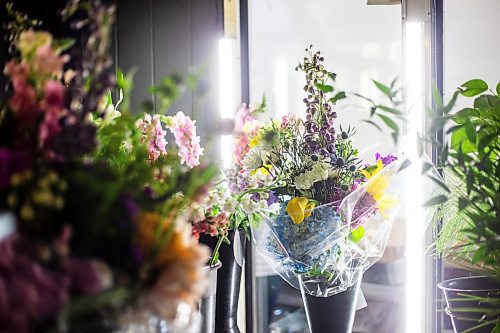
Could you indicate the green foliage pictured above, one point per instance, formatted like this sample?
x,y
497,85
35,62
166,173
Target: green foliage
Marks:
x,y
391,115
473,88
18,23
473,158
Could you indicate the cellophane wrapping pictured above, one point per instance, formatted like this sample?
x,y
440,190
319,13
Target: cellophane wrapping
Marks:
x,y
324,255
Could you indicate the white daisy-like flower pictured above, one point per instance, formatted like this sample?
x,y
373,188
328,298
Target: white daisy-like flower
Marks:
x,y
252,160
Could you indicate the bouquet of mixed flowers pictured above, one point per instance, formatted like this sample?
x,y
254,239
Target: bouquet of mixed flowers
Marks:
x,y
97,196
334,212
233,202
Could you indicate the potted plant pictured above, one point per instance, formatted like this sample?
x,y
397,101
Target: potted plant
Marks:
x,y
469,205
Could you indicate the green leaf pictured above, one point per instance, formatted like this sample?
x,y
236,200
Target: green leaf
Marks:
x,y
485,141
439,182
470,181
420,147
451,103
373,124
389,122
324,87
444,153
384,89
461,116
340,95
479,255
485,102
470,132
406,163
454,128
426,167
473,88
462,203
391,110
357,234
498,88
435,201
459,139
63,44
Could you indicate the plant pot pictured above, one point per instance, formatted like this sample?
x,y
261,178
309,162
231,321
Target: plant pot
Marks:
x,y
208,302
334,314
455,291
228,280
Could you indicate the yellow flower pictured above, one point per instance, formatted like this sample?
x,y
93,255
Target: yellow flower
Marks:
x,y
29,41
264,170
377,186
255,140
387,202
373,170
299,208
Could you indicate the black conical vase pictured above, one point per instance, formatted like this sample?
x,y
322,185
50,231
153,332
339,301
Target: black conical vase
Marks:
x,y
209,300
228,282
455,291
334,314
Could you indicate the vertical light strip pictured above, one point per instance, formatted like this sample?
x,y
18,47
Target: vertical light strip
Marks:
x,y
414,72
280,86
226,96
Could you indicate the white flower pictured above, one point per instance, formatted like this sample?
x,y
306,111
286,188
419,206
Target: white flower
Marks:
x,y
249,206
197,213
230,204
320,171
252,160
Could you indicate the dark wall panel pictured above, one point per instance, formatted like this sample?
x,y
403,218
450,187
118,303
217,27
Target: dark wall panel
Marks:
x,y
207,29
172,44
134,46
156,38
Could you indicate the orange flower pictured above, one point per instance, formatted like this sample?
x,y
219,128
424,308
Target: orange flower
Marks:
x,y
180,260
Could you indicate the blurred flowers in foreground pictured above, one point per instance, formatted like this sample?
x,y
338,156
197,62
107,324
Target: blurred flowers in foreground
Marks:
x,y
99,197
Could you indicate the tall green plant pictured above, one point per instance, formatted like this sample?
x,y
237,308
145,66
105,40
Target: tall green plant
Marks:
x,y
473,158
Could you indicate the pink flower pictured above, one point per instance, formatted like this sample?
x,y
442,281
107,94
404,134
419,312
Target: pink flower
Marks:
x,y
243,115
287,119
52,104
48,62
184,131
154,135
53,94
241,147
23,102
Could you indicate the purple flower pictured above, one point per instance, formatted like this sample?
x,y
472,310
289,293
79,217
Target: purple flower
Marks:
x,y
84,276
386,160
30,295
273,198
10,162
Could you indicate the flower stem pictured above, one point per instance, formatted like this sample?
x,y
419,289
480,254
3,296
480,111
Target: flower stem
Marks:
x,y
215,254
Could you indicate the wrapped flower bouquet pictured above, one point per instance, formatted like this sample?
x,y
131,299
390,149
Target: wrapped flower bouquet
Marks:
x,y
332,211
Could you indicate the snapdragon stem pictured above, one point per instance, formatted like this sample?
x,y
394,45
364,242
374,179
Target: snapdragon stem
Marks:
x,y
215,254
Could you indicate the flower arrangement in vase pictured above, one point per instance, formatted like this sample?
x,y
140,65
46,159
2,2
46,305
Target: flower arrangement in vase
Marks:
x,y
331,213
98,198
